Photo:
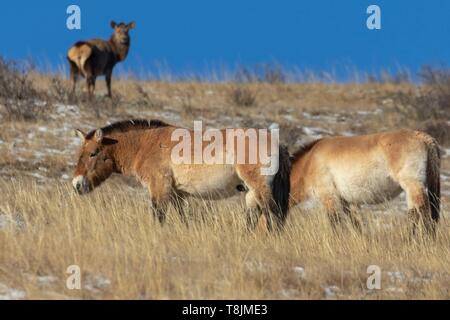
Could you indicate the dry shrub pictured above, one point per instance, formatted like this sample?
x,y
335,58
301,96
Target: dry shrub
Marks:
x,y
145,99
439,129
261,73
59,91
399,77
433,102
242,96
19,99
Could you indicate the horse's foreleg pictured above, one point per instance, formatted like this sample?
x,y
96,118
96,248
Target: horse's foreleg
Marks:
x,y
274,221
160,198
178,204
159,211
253,211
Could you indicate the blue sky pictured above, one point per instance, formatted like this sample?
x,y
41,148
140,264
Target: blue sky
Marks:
x,y
192,36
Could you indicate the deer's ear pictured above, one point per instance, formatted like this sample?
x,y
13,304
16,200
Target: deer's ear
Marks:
x,y
80,134
98,135
113,24
131,25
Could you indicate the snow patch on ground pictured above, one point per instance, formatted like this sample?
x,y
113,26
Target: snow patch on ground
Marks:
x,y
315,131
11,221
299,271
331,292
7,293
97,283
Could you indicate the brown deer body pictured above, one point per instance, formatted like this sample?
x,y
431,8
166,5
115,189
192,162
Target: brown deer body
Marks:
x,y
98,57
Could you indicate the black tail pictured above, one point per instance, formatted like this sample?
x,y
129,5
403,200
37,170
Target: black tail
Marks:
x,y
433,180
281,186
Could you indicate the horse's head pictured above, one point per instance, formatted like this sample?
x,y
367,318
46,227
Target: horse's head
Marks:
x,y
95,161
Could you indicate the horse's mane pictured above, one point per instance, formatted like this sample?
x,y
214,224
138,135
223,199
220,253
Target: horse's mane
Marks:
x,y
127,125
304,149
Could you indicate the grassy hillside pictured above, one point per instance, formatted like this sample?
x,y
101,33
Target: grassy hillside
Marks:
x,y
45,227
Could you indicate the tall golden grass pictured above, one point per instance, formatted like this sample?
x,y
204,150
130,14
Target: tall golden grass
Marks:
x,y
123,254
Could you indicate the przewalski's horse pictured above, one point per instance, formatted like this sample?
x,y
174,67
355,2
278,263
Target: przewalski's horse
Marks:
x,y
342,171
143,149
98,57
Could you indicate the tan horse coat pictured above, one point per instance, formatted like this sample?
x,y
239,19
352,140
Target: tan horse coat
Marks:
x,y
370,169
143,149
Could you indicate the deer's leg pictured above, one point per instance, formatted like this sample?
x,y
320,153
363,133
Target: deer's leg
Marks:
x,y
108,82
91,85
74,72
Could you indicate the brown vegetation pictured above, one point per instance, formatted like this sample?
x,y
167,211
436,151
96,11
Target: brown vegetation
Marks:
x,y
45,226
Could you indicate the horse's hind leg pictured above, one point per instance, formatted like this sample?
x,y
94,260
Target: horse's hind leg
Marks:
x,y
259,198
419,208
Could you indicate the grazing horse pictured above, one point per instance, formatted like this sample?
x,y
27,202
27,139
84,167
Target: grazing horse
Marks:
x,y
143,149
341,171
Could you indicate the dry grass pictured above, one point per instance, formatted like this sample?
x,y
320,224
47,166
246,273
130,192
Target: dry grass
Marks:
x,y
124,254
45,227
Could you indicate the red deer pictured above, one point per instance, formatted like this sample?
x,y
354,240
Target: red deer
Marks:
x,y
98,57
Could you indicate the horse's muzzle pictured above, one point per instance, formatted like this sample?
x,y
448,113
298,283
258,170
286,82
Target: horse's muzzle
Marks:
x,y
81,185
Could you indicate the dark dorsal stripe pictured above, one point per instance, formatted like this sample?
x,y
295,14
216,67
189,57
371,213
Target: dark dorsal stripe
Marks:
x,y
81,43
127,125
304,149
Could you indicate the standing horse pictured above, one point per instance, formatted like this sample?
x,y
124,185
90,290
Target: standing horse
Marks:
x,y
342,171
143,149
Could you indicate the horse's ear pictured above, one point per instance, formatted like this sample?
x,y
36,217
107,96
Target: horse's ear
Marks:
x,y
80,134
113,24
98,135
131,25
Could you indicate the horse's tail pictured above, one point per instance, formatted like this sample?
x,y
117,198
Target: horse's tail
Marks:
x,y
281,186
433,178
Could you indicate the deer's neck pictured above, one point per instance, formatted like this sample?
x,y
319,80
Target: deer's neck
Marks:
x,y
120,49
